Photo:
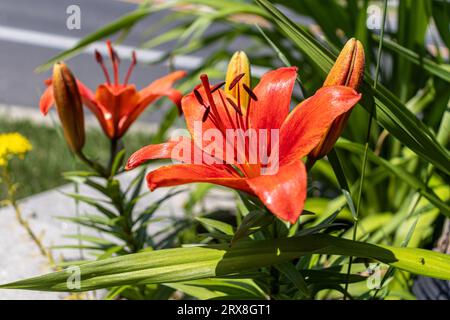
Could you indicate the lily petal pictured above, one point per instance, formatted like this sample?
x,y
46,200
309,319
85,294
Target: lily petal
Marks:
x,y
160,87
119,102
47,100
181,149
274,93
157,89
309,121
178,174
284,193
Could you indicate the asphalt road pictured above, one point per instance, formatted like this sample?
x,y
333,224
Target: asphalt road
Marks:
x,y
32,31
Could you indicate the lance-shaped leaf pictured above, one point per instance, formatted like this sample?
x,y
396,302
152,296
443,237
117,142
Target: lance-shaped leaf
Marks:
x,y
390,113
190,263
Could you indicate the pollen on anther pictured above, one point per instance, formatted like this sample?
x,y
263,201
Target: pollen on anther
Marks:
x,y
250,92
206,114
198,96
98,57
235,81
217,87
235,106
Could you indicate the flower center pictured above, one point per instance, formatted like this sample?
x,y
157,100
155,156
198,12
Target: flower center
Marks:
x,y
236,119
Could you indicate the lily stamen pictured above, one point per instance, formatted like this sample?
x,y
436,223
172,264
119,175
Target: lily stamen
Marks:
x,y
199,98
226,108
99,59
115,62
235,81
206,114
250,92
217,87
253,97
131,67
235,106
207,87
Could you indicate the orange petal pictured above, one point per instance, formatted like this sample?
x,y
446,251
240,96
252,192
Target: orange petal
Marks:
x,y
179,174
160,87
100,112
309,121
157,89
47,100
181,149
274,93
119,102
284,193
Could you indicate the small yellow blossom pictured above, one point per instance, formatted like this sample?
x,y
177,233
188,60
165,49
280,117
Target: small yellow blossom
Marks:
x,y
12,144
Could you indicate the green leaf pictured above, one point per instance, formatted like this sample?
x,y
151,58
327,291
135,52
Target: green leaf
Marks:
x,y
295,276
390,113
109,29
118,160
399,172
216,224
220,287
441,71
185,264
441,15
93,202
252,222
325,276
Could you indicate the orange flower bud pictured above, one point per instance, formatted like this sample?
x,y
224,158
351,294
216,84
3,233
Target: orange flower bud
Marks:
x,y
69,106
348,70
238,74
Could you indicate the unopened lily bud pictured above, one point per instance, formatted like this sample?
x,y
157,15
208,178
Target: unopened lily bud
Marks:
x,y
348,70
238,74
69,106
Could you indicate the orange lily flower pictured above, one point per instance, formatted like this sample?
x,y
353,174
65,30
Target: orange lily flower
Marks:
x,y
117,105
282,192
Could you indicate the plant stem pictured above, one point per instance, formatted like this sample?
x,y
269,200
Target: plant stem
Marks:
x,y
22,221
366,148
275,287
112,154
94,165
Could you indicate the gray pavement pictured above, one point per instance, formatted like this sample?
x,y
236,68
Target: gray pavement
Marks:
x,y
31,32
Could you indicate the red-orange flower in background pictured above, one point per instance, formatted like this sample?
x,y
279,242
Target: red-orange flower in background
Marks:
x,y
117,105
282,192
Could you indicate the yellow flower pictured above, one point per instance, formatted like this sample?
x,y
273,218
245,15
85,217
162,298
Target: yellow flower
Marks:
x,y
12,144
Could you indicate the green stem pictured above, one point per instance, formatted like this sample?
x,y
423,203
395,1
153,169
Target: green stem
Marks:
x,y
93,165
112,154
366,148
10,188
274,288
